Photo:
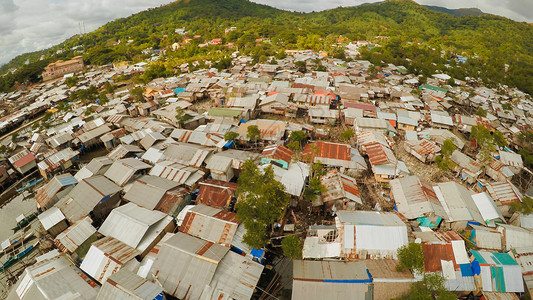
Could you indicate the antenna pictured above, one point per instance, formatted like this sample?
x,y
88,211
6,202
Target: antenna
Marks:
x,y
84,31
79,26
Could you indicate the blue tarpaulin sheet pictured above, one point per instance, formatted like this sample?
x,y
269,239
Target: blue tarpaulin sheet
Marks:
x,y
466,270
229,144
475,267
242,120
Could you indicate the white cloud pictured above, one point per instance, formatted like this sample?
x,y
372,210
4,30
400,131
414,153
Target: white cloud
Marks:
x,y
30,25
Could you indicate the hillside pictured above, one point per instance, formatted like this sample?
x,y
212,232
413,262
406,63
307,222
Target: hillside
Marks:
x,y
459,12
418,35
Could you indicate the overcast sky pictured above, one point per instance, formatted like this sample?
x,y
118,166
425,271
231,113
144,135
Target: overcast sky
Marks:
x,y
30,25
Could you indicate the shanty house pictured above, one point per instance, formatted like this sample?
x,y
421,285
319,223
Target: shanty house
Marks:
x,y
97,195
23,161
277,155
186,264
445,253
330,279
413,197
153,192
211,224
216,193
53,221
97,166
136,226
497,272
370,234
341,189
106,256
423,150
335,155
127,285
457,203
126,170
53,276
70,239
54,190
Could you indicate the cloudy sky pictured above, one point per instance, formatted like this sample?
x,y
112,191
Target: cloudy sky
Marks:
x,y
30,25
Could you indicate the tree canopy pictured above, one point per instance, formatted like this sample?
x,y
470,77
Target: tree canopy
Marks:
x,y
262,200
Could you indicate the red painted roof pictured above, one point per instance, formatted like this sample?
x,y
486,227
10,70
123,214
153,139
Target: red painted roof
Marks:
x,y
26,159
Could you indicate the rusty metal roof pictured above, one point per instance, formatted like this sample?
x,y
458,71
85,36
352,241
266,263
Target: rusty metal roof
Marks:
x,y
278,152
210,223
379,154
216,193
424,147
327,150
434,253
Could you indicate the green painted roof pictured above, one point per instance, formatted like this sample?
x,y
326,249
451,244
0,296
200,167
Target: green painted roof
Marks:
x,y
224,112
433,88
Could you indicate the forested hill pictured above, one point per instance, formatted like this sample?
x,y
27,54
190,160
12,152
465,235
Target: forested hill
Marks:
x,y
459,12
421,39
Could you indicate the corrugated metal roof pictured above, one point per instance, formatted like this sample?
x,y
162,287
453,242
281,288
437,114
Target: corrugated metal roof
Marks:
x,y
55,160
122,150
326,150
177,172
22,158
499,272
368,137
94,133
216,193
235,277
130,223
457,202
324,271
277,152
106,257
339,186
511,159
515,237
51,217
51,188
70,239
486,238
53,278
423,147
487,207
127,285
413,197
504,192
149,190
186,264
379,154
121,171
86,195
210,223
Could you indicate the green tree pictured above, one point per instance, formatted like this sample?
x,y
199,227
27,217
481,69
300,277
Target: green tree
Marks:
x,y
71,81
253,133
411,257
481,112
347,134
109,88
499,139
297,138
181,116
525,207
301,66
443,161
484,140
314,189
431,287
231,136
292,247
262,200
137,93
14,136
